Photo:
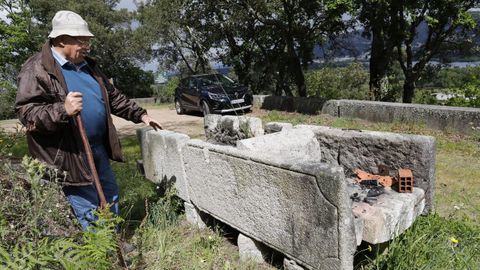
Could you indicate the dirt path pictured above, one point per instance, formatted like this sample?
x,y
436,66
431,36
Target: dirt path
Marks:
x,y
190,124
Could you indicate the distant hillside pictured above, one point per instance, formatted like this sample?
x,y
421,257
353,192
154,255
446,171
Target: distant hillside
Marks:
x,y
356,46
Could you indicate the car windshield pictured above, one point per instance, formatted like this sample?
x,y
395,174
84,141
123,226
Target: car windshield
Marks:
x,y
216,79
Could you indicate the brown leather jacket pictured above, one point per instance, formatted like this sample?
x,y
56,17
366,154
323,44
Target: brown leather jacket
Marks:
x,y
52,135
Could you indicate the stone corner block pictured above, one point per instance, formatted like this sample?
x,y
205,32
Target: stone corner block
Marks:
x,y
194,216
250,249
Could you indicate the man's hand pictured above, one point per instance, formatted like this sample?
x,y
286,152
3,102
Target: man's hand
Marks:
x,y
73,103
151,122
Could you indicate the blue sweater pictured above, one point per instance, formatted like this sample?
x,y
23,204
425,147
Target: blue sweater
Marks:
x,y
94,114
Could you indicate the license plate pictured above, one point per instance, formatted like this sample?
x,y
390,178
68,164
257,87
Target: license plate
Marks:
x,y
236,101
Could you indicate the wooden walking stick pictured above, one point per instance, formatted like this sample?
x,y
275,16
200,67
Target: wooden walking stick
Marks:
x,y
91,161
96,180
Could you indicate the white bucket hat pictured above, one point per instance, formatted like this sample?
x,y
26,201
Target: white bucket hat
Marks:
x,y
69,23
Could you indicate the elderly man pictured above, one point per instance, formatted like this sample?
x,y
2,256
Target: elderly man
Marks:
x,y
56,84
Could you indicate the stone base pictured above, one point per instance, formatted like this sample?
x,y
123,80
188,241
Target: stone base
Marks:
x,y
193,216
250,249
388,217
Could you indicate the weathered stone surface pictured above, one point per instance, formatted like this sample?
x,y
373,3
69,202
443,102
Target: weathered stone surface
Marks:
x,y
210,122
275,189
359,227
273,127
392,214
194,216
365,150
162,158
300,209
249,249
228,129
462,119
293,144
152,143
291,265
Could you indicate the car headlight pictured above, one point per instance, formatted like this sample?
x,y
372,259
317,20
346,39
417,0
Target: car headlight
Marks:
x,y
217,96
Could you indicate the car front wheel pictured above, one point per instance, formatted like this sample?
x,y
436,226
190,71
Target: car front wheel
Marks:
x,y
178,107
205,108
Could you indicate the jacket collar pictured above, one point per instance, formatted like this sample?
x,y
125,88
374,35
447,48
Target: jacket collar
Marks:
x,y
51,66
48,61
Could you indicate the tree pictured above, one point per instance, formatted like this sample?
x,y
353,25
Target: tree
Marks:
x,y
17,41
443,18
171,34
115,46
17,38
393,27
295,27
268,43
380,21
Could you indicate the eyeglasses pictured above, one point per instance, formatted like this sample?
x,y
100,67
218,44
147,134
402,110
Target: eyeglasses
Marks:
x,y
84,42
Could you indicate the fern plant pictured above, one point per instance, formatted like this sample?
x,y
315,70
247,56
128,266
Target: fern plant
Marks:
x,y
95,252
36,229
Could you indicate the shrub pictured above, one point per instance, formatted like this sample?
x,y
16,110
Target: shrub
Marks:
x,y
349,82
8,92
37,229
469,96
166,93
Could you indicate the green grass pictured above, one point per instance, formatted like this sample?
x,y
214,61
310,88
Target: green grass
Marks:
x,y
134,188
433,242
13,145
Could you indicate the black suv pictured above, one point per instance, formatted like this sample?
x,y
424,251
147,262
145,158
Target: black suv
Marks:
x,y
211,93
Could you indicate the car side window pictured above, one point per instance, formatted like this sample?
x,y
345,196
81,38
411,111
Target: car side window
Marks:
x,y
204,82
192,84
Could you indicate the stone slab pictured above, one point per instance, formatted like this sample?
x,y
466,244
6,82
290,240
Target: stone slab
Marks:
x,y
390,216
151,143
163,160
461,119
293,144
300,209
365,150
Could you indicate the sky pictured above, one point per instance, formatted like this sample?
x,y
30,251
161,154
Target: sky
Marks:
x,y
128,4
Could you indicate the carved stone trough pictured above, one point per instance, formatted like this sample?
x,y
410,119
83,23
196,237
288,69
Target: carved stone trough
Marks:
x,y
290,189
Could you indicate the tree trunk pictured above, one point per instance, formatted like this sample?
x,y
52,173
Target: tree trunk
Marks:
x,y
280,81
408,89
296,71
379,60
